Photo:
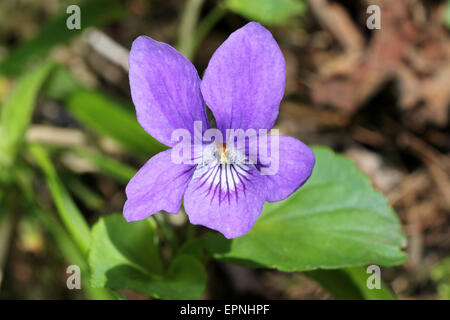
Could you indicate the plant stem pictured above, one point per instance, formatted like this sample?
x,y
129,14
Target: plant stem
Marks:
x,y
166,230
191,35
6,230
205,26
188,23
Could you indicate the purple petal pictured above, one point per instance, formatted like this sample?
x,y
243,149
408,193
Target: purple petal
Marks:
x,y
288,164
225,198
244,82
158,185
165,88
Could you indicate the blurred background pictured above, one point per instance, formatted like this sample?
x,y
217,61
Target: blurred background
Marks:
x,y
379,96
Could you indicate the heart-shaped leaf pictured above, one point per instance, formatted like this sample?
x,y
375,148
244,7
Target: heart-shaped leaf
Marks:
x,y
125,256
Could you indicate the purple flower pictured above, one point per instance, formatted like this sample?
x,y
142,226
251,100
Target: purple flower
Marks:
x,y
243,86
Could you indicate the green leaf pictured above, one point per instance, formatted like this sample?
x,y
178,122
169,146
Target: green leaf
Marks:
x,y
336,282
335,220
349,284
441,275
17,111
71,253
89,197
359,277
67,246
60,84
275,12
125,256
55,32
447,14
103,115
69,249
2,197
107,117
68,211
109,166
6,231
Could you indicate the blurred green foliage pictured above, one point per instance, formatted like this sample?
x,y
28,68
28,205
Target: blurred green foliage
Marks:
x,y
107,165
441,274
16,113
107,117
270,12
101,114
447,14
69,213
55,32
36,73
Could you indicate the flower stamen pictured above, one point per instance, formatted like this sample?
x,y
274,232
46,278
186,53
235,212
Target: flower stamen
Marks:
x,y
222,151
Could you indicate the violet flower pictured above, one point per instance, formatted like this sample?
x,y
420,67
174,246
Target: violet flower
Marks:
x,y
243,86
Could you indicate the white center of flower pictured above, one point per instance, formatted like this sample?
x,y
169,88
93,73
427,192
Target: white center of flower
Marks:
x,y
221,153
223,165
